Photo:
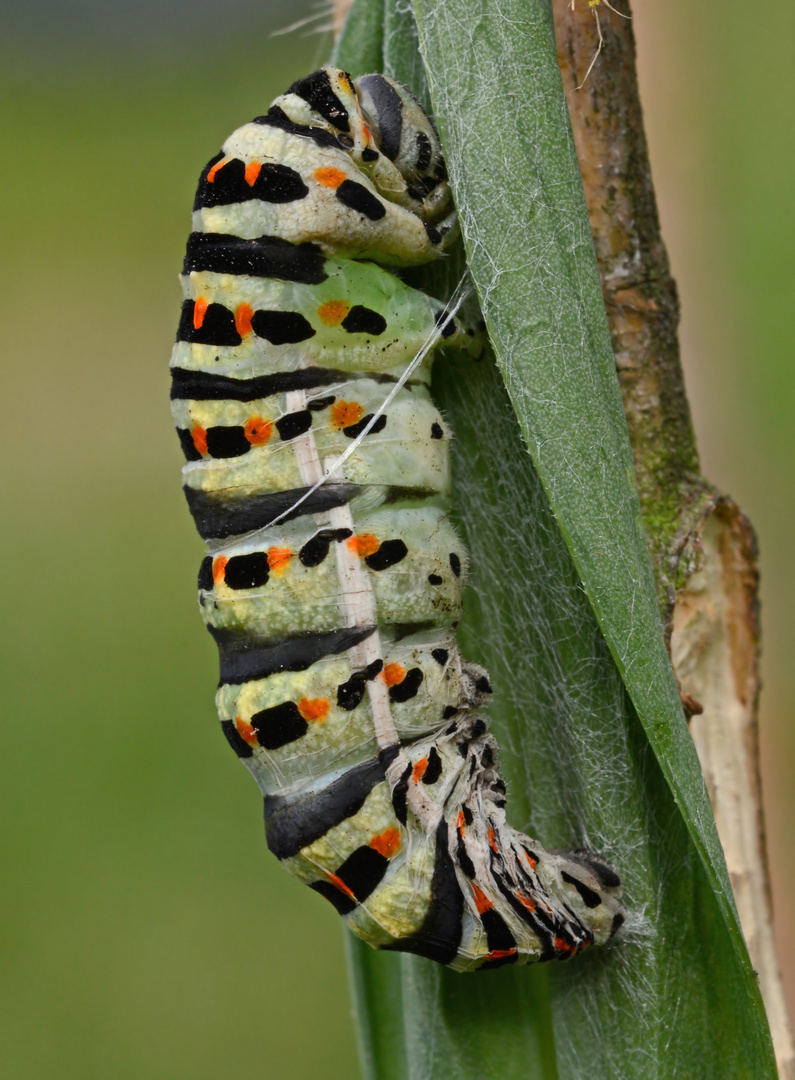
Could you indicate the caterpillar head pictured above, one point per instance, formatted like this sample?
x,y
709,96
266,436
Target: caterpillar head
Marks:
x,y
401,129
409,168
385,130
372,112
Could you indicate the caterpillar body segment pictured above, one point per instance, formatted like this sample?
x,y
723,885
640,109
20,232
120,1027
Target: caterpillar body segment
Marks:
x,y
333,580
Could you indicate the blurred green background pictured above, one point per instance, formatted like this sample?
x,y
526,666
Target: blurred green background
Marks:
x,y
145,931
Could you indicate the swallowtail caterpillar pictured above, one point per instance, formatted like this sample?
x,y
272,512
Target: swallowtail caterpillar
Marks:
x,y
333,579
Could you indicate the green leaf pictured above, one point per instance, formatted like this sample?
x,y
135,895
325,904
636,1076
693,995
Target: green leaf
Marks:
x,y
361,41
377,994
561,609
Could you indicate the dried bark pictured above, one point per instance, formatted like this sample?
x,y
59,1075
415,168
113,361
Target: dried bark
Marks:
x,y
702,547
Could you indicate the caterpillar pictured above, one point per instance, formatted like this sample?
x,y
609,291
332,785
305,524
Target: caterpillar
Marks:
x,y
317,473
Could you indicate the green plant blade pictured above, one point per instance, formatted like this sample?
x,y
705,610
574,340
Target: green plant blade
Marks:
x,y
562,608
656,1003
361,38
377,995
416,1021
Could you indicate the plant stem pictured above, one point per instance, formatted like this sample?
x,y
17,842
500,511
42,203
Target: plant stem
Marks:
x,y
702,546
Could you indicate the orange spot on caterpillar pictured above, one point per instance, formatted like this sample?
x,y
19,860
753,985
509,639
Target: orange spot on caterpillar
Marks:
x,y
328,176
344,413
219,566
278,558
493,841
246,731
257,431
218,165
499,954
367,133
418,771
530,859
313,708
199,311
393,674
365,544
251,172
199,436
563,946
387,843
525,901
333,312
243,316
482,902
459,823
340,884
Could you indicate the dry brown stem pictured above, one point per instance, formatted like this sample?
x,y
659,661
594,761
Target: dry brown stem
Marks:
x,y
702,547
